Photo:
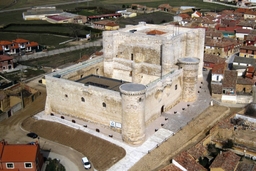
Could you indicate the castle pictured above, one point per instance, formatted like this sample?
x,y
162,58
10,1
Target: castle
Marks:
x,y
145,70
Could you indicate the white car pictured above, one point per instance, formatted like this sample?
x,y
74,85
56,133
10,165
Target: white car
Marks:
x,y
86,163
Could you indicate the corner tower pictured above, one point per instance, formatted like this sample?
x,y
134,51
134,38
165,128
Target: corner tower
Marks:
x,y
190,76
133,115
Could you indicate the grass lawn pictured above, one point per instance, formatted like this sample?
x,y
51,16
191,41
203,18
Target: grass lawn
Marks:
x,y
61,59
42,39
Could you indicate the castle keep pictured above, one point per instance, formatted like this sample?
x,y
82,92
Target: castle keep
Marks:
x,y
144,70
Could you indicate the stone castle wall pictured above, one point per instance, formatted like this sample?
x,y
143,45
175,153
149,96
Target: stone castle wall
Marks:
x,y
84,102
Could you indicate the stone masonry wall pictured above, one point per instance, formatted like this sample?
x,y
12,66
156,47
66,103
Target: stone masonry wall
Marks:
x,y
85,102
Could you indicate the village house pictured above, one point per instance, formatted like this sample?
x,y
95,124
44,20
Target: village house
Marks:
x,y
250,14
185,161
165,7
6,63
20,157
225,161
222,48
216,78
102,17
248,52
242,62
105,25
229,86
14,98
40,13
211,60
127,14
196,14
17,46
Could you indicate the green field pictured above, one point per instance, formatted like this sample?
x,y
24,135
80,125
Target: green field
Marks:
x,y
43,39
61,59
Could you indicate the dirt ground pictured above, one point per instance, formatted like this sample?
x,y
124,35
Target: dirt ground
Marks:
x,y
103,154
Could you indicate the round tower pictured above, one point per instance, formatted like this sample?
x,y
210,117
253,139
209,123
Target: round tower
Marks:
x,y
133,115
190,75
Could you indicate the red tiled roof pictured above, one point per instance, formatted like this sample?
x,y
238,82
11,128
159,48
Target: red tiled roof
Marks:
x,y
230,79
244,81
20,41
213,59
57,17
184,16
188,162
4,42
32,44
5,58
227,161
19,153
164,6
218,68
15,46
155,32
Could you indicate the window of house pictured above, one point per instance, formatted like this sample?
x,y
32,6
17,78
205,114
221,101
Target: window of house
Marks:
x,y
176,87
82,99
66,95
217,78
9,165
28,165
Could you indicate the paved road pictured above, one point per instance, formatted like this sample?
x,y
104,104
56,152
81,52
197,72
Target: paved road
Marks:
x,y
57,4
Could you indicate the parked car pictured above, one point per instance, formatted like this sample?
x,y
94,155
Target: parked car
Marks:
x,y
32,135
86,163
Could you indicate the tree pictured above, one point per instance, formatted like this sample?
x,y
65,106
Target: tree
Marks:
x,y
75,30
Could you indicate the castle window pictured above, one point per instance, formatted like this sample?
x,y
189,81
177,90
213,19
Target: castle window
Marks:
x,y
104,104
176,87
130,73
97,71
132,56
66,95
81,76
82,99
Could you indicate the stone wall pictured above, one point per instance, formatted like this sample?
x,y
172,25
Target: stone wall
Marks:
x,y
84,102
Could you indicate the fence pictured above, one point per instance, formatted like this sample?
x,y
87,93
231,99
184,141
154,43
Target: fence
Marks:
x,y
58,51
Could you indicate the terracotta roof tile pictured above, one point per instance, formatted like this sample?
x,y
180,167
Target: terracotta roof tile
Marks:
x,y
155,32
20,41
216,88
213,59
227,161
32,44
188,162
245,81
246,167
4,42
219,69
230,78
5,58
19,153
